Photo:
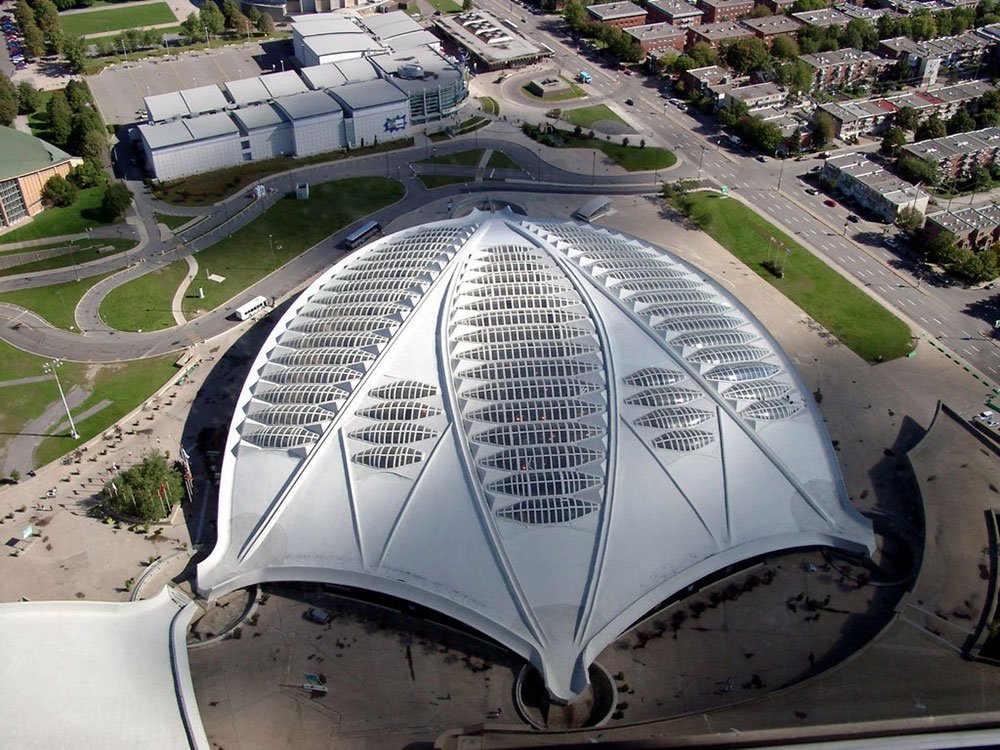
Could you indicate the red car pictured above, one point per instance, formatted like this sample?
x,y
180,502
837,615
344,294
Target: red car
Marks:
x,y
831,202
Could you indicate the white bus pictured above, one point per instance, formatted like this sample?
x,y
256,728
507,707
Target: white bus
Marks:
x,y
362,234
248,309
508,22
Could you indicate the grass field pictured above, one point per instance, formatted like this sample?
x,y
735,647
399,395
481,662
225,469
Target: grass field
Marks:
x,y
143,304
490,105
446,6
115,19
55,303
585,117
294,226
460,158
87,250
861,323
57,222
205,189
500,160
574,92
432,181
173,221
125,385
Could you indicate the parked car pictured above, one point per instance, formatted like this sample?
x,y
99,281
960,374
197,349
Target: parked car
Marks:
x,y
629,102
812,191
317,615
853,219
830,202
761,158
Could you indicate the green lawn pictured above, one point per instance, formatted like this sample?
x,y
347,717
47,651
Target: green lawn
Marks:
x,y
205,189
585,117
246,256
125,385
143,304
574,92
56,222
500,160
87,251
490,105
172,221
56,302
469,158
633,158
861,323
446,6
114,19
38,121
432,181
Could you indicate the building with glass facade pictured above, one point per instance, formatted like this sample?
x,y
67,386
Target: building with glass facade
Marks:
x,y
26,164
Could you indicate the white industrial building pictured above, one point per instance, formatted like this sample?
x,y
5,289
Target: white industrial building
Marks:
x,y
539,428
376,111
317,122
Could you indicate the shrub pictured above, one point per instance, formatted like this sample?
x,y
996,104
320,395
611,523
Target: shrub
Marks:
x,y
59,191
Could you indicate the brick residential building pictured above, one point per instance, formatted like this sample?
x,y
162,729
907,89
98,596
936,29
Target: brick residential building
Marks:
x,y
974,227
620,15
714,34
677,13
843,67
955,155
877,190
657,37
718,11
778,6
823,17
769,28
758,96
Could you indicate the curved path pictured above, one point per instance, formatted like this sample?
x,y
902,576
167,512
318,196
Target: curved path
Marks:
x,y
550,171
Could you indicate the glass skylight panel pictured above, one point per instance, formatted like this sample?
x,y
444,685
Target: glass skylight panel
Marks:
x,y
537,369
515,290
518,303
524,317
729,355
663,395
540,274
316,374
503,254
339,338
279,437
741,373
519,390
326,355
393,411
404,389
388,457
669,298
514,333
546,511
527,350
673,417
291,415
536,433
759,391
544,483
324,325
632,287
387,433
721,338
647,263
601,256
376,285
343,297
394,274
683,440
541,457
706,323
533,411
771,410
686,309
623,277
299,393
649,376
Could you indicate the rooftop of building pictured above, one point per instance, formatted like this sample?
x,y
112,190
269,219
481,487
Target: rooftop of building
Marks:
x,y
21,153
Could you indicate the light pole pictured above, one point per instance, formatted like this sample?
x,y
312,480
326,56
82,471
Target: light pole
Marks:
x,y
51,367
593,170
270,244
538,153
781,172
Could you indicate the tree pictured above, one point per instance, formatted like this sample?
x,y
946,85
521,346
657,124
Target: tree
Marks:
x,y
93,145
74,49
703,54
979,178
191,28
467,5
254,15
894,138
910,221
212,20
785,48
87,175
266,24
922,27
28,98
960,122
78,95
117,198
824,127
796,76
916,170
746,55
932,127
906,118
802,5
860,34
9,104
145,491
59,115
58,191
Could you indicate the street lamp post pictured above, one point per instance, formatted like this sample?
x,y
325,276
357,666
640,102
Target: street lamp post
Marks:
x,y
538,153
700,160
593,170
51,367
270,245
781,172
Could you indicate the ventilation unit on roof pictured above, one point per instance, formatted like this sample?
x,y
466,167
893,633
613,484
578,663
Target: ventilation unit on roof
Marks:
x,y
411,71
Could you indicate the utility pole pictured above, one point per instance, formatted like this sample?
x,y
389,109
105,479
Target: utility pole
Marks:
x,y
781,172
51,367
700,160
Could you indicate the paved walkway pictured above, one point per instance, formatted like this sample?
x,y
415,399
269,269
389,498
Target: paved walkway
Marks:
x,y
177,304
21,449
23,381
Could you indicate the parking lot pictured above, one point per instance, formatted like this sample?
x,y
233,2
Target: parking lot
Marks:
x,y
119,90
16,57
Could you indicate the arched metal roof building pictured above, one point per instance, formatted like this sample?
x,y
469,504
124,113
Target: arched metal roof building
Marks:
x,y
540,428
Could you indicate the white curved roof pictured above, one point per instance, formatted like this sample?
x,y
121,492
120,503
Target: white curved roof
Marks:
x,y
540,428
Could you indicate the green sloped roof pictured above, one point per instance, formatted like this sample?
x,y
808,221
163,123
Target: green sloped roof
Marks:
x,y
21,153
